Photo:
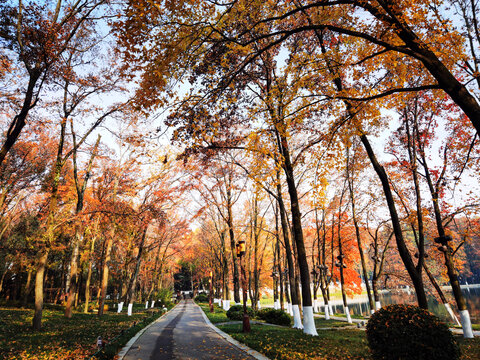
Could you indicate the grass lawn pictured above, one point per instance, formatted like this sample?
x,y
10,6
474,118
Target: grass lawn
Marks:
x,y
470,347
322,323
61,338
474,326
218,316
282,343
290,344
353,316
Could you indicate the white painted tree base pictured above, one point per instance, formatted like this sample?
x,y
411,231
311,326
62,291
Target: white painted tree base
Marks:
x,y
347,312
120,307
226,305
327,313
146,305
466,324
153,304
289,309
130,307
331,309
308,321
452,315
297,320
378,306
258,305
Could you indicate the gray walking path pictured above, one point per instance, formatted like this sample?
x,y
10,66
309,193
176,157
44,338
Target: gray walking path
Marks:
x,y
183,334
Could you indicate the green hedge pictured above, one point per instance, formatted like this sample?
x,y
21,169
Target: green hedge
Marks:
x,y
201,298
236,312
272,316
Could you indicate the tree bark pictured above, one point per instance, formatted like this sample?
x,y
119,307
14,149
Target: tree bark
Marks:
x,y
358,236
20,119
447,253
78,236
49,236
286,240
415,276
236,278
41,264
297,224
106,263
89,272
129,296
27,290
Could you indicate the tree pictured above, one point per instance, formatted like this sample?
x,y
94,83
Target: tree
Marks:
x,y
419,116
80,189
384,34
38,35
221,186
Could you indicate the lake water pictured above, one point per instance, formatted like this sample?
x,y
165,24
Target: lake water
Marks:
x,y
471,293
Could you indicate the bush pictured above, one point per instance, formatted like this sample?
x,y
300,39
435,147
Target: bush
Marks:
x,y
272,316
409,332
164,297
236,312
203,298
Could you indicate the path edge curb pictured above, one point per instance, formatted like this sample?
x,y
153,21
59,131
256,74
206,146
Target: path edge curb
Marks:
x,y
232,341
121,354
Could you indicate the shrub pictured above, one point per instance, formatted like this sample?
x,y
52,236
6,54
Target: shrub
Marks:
x,y
201,298
409,332
164,297
272,316
236,312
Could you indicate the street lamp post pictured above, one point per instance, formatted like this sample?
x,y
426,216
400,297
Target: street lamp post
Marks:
x,y
241,247
210,292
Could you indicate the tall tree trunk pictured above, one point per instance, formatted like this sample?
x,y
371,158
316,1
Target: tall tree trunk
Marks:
x,y
236,277
89,271
255,256
226,292
106,263
340,258
288,249
78,237
27,290
129,296
280,274
446,248
49,236
415,274
420,235
41,264
108,252
20,119
309,324
358,236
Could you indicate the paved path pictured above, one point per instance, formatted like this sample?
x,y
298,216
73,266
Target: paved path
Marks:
x,y
182,335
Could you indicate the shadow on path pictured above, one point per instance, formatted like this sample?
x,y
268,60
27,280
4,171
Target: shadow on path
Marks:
x,y
183,335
